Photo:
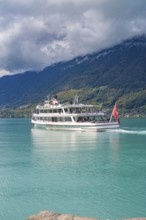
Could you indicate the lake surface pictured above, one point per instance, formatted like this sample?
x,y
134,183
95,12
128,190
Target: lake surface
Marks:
x,y
89,174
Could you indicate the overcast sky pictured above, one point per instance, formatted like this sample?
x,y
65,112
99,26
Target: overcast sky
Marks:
x,y
37,33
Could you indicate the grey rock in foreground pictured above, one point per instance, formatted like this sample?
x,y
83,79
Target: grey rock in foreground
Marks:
x,y
45,215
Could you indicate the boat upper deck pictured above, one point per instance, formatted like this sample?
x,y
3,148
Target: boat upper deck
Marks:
x,y
54,107
58,106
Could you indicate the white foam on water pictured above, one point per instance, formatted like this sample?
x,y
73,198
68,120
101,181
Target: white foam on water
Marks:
x,y
140,132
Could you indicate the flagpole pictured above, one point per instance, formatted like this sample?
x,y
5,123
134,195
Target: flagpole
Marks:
x,y
111,117
112,114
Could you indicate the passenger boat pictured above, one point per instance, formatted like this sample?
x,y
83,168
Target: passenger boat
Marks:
x,y
73,116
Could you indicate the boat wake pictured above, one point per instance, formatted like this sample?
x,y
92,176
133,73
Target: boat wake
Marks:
x,y
126,131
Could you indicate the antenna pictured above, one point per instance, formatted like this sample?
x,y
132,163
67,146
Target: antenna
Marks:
x,y
76,100
48,97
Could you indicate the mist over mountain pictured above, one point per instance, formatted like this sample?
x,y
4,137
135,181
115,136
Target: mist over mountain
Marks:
x,y
115,74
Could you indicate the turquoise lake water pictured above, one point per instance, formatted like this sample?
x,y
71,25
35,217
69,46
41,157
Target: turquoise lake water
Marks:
x,y
88,174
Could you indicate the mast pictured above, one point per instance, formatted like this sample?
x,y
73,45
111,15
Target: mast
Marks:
x,y
76,100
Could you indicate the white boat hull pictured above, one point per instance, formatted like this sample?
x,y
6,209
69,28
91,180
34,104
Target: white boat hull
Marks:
x,y
76,126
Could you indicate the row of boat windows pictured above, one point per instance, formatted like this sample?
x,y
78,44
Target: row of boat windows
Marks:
x,y
54,119
76,119
67,110
98,118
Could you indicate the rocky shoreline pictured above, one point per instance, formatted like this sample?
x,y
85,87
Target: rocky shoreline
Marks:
x,y
46,215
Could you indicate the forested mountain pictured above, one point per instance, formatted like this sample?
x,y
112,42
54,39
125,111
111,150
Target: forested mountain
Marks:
x,y
114,74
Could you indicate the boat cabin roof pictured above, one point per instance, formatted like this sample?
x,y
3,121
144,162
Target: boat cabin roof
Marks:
x,y
70,106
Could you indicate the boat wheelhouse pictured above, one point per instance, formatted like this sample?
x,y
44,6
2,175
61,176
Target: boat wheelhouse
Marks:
x,y
74,116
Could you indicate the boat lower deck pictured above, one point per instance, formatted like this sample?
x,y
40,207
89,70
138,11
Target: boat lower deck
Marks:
x,y
76,126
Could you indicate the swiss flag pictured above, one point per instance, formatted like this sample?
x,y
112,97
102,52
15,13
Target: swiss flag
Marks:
x,y
115,113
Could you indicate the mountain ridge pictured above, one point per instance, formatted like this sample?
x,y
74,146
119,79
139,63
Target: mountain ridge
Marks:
x,y
113,74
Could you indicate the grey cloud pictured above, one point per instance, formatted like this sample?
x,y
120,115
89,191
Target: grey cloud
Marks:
x,y
37,33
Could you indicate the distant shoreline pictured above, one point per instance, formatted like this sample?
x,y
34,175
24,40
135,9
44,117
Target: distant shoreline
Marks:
x,y
26,112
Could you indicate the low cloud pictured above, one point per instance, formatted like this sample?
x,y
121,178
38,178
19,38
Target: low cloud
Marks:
x,y
37,33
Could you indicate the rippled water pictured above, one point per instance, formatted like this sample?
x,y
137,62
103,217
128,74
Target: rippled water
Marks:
x,y
90,174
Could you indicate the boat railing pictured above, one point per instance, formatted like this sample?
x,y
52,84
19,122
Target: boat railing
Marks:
x,y
70,113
